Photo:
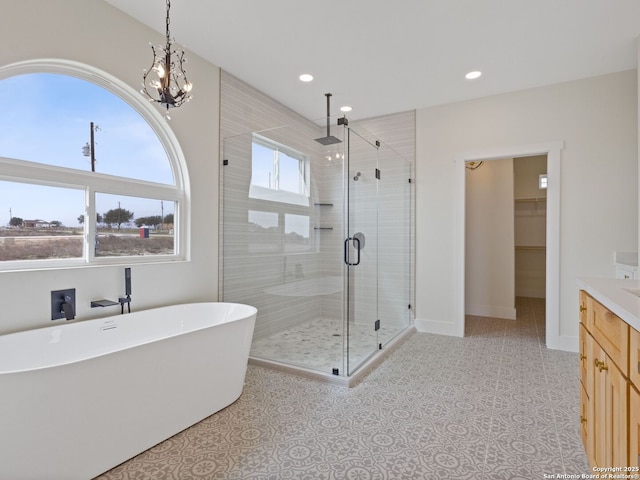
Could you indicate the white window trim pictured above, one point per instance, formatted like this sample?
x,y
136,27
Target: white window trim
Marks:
x,y
44,174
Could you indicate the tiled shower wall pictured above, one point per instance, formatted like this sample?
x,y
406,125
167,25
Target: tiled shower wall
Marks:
x,y
253,263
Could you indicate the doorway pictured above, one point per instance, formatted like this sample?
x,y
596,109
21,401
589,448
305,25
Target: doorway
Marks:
x,y
505,234
552,261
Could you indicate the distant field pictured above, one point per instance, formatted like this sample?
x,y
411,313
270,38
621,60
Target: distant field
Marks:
x,y
22,244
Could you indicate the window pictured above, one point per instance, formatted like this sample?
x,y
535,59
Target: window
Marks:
x,y
88,175
278,173
542,181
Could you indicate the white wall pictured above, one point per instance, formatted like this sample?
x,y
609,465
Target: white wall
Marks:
x,y
596,118
489,234
94,33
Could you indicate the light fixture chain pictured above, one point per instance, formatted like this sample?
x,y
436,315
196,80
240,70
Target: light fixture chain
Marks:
x,y
168,22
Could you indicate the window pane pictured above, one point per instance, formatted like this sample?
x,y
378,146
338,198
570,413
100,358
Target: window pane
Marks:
x,y
297,235
132,226
49,121
291,178
41,222
264,232
261,166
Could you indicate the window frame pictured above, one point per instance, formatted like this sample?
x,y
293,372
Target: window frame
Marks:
x,y
24,171
276,194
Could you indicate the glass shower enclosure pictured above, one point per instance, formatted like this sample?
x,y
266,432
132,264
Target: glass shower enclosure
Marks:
x,y
318,238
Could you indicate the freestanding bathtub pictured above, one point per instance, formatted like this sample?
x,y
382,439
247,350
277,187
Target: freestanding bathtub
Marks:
x,y
81,398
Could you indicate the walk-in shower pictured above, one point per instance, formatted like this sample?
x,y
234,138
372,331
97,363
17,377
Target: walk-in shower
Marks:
x,y
317,236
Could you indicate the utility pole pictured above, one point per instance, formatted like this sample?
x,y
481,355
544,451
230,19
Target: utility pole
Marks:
x,y
89,150
161,214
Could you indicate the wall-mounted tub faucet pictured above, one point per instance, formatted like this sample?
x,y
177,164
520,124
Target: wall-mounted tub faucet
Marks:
x,y
122,300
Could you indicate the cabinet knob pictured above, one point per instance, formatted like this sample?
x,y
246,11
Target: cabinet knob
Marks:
x,y
583,419
583,308
603,367
583,357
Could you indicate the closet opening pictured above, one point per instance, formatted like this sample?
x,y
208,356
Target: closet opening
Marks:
x,y
505,237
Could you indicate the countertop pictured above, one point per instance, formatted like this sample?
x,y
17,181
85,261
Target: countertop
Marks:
x,y
614,294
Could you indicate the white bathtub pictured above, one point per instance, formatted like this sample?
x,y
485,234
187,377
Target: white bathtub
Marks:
x,y
81,398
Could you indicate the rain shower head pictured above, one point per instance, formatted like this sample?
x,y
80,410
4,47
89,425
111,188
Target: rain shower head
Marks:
x,y
329,139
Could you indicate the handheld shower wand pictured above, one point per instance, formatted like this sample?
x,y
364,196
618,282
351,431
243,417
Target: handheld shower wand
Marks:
x,y
127,291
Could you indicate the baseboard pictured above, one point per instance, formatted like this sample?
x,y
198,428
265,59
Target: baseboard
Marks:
x,y
508,313
561,342
440,328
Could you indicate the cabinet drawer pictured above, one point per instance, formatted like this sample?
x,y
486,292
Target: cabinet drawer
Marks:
x,y
634,357
612,333
586,309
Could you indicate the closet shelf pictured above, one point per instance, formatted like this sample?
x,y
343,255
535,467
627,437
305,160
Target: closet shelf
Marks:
x,y
530,200
539,248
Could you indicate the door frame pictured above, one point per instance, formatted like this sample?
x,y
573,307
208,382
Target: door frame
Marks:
x,y
553,151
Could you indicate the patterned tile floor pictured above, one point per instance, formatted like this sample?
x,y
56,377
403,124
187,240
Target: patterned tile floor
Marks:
x,y
493,405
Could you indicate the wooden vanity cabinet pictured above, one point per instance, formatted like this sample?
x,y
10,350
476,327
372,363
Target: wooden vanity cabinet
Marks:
x,y
606,402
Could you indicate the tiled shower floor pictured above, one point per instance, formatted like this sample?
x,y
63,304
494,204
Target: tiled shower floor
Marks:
x,y
493,405
319,344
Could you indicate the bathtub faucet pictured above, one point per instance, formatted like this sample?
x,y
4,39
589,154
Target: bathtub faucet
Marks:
x,y
124,300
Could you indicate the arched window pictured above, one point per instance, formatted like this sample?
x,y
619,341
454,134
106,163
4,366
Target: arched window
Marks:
x,y
89,172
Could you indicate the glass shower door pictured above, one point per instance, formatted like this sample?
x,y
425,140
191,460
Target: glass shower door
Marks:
x,y
361,250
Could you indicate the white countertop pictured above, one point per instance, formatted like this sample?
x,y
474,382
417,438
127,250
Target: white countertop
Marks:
x,y
614,294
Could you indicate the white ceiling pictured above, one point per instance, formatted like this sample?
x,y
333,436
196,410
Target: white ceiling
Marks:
x,y
383,56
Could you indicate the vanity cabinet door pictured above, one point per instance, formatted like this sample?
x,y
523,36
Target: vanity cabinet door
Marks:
x,y
634,357
586,423
610,394
634,427
586,360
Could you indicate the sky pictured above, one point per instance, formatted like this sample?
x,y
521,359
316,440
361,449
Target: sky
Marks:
x,y
46,119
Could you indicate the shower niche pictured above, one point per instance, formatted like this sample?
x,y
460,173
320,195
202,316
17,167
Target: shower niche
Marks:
x,y
317,236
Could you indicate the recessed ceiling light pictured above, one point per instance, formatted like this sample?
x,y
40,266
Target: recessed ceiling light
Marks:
x,y
346,108
306,77
473,75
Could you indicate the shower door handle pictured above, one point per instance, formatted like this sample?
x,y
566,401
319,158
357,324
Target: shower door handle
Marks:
x,y
356,241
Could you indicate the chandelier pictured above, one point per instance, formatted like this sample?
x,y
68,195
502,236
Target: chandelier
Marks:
x,y
166,81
